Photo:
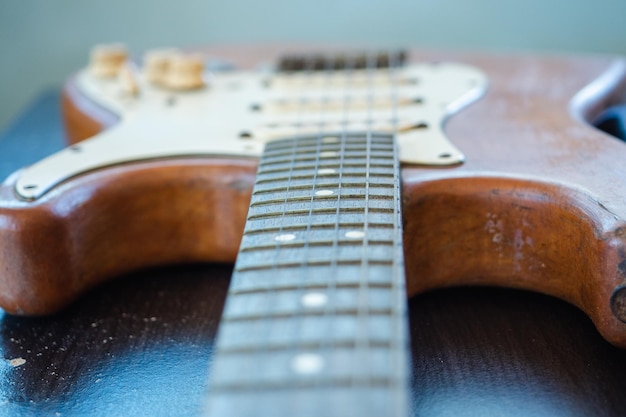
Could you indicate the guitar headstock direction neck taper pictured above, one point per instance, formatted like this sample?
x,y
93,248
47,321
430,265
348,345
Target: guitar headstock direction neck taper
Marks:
x,y
338,184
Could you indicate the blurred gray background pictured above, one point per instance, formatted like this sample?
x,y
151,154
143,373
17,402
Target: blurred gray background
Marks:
x,y
43,41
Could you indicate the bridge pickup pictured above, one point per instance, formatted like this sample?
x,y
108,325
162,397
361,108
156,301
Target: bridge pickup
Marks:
x,y
341,61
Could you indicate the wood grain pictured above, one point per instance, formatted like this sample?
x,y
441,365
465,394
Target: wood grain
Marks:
x,y
142,345
537,205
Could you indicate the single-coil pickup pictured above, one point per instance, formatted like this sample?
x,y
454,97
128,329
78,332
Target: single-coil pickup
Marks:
x,y
345,79
286,128
329,104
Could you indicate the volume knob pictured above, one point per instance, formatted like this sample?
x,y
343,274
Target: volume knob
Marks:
x,y
156,64
106,60
184,72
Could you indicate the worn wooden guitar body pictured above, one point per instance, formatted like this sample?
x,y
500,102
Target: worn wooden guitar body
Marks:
x,y
538,203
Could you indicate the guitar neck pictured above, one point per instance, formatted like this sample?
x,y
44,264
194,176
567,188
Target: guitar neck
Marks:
x,y
315,320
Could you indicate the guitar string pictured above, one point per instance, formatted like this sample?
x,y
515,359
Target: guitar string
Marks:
x,y
303,269
271,294
352,66
363,342
364,289
363,311
309,74
325,345
299,124
308,71
321,132
398,305
331,310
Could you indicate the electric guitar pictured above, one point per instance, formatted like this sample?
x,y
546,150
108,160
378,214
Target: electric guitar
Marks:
x,y
337,159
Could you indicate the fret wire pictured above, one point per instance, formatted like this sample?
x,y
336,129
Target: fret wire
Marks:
x,y
331,263
337,313
301,151
339,285
302,187
301,199
311,211
351,147
297,227
334,382
325,165
311,345
313,243
313,175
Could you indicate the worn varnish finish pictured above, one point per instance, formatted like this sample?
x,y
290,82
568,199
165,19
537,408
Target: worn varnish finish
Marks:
x,y
141,345
539,199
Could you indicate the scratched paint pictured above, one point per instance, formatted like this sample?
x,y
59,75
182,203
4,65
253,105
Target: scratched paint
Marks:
x,y
495,227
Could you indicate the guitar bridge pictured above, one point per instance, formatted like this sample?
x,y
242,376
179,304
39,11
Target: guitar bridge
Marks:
x,y
342,61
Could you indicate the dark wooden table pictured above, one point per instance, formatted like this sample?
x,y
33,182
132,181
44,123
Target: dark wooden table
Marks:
x,y
141,345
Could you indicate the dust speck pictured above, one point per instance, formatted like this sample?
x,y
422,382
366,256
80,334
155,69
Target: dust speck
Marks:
x,y
16,362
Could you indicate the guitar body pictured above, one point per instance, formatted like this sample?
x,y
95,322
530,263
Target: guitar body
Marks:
x,y
537,204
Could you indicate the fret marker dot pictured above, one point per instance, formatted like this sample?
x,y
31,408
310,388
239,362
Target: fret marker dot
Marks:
x,y
355,234
326,171
307,363
285,238
330,139
324,192
328,154
314,299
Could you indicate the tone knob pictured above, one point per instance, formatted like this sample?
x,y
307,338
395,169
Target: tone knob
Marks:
x,y
184,72
156,64
106,60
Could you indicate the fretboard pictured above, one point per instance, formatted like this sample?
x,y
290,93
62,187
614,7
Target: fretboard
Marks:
x,y
315,320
